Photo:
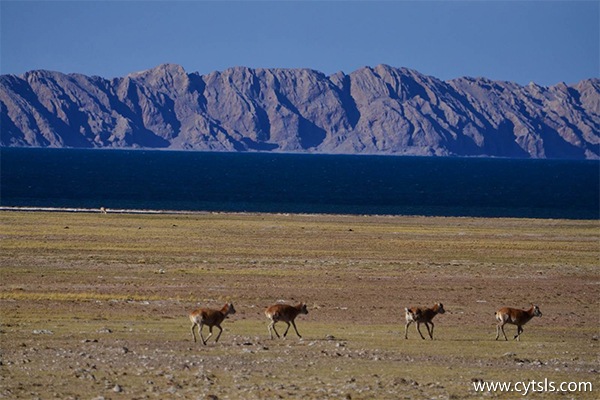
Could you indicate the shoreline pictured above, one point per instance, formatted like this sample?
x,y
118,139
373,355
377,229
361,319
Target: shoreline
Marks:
x,y
133,211
84,210
98,210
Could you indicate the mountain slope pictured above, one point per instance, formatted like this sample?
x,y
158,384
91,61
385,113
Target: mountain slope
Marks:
x,y
380,110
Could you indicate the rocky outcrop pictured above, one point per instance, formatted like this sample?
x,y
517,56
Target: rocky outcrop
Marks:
x,y
381,110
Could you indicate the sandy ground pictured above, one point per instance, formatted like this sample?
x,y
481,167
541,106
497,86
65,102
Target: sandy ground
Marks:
x,y
96,306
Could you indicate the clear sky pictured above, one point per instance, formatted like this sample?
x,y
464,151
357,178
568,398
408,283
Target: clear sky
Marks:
x,y
541,41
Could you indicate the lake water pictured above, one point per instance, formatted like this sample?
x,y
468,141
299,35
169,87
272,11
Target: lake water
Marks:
x,y
267,182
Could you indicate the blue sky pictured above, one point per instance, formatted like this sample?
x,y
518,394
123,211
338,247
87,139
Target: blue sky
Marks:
x,y
542,41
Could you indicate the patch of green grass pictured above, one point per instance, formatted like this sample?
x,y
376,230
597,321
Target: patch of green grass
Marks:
x,y
19,295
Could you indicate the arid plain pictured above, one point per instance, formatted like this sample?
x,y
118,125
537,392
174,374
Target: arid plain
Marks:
x,y
96,305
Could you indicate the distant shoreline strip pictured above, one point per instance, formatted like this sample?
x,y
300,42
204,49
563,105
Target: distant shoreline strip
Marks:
x,y
100,211
154,212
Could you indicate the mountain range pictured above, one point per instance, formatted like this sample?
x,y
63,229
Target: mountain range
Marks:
x,y
373,110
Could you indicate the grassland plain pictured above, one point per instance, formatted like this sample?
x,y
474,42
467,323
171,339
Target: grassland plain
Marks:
x,y
95,306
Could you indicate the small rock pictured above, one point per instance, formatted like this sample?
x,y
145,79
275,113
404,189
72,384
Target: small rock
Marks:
x,y
42,332
117,389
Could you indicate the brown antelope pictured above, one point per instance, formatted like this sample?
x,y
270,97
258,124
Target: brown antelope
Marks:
x,y
422,315
514,316
285,313
211,318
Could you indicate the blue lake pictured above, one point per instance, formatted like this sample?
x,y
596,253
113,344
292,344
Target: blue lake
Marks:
x,y
294,183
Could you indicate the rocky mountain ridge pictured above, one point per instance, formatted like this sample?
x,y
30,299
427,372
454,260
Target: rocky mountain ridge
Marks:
x,y
380,110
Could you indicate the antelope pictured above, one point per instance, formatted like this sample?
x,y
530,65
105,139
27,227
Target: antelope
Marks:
x,y
507,315
422,315
285,313
211,318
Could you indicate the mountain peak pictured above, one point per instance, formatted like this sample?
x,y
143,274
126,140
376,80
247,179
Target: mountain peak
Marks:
x,y
162,70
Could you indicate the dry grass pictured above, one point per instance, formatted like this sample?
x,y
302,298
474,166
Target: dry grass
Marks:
x,y
93,301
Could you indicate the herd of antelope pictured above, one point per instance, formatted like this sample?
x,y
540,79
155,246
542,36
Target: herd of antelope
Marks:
x,y
288,313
